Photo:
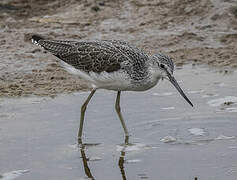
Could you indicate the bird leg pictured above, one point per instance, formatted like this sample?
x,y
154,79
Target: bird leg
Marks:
x,y
118,110
83,110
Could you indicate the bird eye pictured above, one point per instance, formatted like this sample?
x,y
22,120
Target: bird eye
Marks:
x,y
162,66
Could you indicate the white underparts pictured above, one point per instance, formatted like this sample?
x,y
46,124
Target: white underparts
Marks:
x,y
117,80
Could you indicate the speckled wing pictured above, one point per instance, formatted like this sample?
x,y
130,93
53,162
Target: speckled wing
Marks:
x,y
96,56
134,54
136,57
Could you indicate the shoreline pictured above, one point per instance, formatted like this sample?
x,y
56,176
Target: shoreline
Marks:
x,y
202,32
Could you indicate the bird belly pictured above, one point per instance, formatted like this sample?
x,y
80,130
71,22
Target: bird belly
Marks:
x,y
117,81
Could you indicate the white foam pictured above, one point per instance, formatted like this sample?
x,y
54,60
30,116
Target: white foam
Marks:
x,y
167,108
221,101
209,95
196,131
95,158
196,92
163,94
13,174
133,147
231,109
167,94
223,137
133,161
168,139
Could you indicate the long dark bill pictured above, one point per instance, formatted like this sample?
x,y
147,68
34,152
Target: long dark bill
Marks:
x,y
176,85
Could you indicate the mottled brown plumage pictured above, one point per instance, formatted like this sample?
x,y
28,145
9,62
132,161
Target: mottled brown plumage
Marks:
x,y
94,56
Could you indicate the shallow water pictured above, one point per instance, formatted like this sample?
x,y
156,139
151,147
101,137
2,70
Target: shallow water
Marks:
x,y
169,139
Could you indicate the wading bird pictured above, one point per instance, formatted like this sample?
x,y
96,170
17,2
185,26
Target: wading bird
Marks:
x,y
112,65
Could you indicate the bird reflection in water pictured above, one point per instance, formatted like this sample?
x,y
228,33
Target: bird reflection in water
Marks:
x,y
121,162
86,159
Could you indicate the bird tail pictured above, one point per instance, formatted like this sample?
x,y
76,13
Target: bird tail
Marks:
x,y
36,38
56,47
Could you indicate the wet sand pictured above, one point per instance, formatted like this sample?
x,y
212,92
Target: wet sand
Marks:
x,y
169,139
195,32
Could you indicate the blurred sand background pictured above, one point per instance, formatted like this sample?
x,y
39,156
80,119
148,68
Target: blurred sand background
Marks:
x,y
190,31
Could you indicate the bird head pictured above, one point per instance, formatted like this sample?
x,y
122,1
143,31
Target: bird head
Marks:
x,y
165,66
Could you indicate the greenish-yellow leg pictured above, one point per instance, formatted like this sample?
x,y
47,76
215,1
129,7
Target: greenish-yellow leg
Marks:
x,y
83,110
118,110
